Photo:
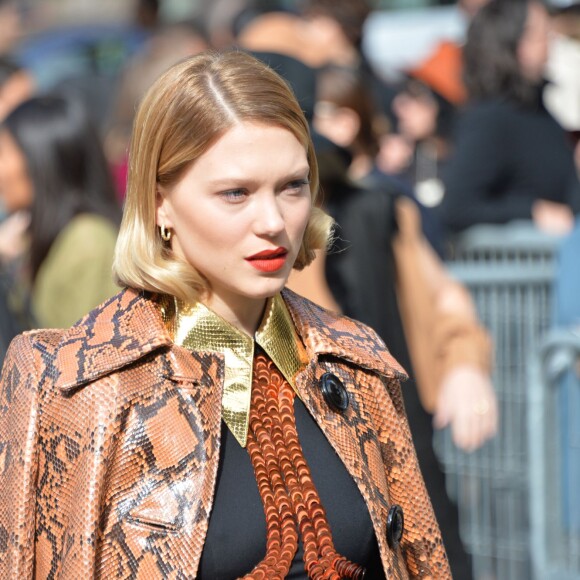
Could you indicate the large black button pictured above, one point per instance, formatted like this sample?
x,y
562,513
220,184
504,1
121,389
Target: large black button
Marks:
x,y
395,526
334,392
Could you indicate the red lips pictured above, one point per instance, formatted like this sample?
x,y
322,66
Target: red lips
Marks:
x,y
269,260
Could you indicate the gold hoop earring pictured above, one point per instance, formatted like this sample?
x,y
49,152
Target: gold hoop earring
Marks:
x,y
165,233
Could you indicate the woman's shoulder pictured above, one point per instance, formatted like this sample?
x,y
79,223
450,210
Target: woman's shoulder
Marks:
x,y
119,332
131,317
115,334
43,338
27,358
329,333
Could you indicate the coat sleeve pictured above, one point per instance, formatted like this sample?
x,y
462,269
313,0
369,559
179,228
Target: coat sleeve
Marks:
x,y
439,318
18,460
421,544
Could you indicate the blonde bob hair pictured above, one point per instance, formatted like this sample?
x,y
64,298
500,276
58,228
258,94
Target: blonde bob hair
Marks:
x,y
182,115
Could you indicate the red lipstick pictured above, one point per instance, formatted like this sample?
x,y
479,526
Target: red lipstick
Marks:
x,y
269,260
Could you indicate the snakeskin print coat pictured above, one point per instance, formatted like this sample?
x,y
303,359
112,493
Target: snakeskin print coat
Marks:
x,y
110,437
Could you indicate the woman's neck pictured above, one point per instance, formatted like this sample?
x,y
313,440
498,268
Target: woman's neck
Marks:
x,y
242,313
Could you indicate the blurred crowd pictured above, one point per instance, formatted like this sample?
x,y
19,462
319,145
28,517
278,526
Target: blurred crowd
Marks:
x,y
482,130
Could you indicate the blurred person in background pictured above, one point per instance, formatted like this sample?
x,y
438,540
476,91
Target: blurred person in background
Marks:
x,y
423,108
167,45
337,27
347,114
562,93
511,159
425,112
16,85
63,215
442,69
322,32
383,271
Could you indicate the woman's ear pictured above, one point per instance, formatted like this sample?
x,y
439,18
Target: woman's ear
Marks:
x,y
162,210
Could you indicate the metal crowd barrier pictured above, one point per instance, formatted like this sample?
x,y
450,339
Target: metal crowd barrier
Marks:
x,y
509,271
554,457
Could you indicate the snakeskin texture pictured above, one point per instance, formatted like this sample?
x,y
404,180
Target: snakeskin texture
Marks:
x,y
109,445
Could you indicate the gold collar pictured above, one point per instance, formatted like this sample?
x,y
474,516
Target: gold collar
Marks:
x,y
196,327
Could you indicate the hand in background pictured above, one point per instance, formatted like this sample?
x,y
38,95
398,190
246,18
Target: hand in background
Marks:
x,y
467,403
552,217
13,235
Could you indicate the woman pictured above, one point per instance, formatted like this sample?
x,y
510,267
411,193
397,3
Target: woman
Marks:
x,y
53,171
511,158
119,463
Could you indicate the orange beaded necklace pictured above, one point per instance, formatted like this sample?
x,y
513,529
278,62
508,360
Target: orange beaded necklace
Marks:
x,y
288,493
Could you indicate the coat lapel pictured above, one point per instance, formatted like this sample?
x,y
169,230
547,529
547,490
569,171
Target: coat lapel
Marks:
x,y
354,354
121,331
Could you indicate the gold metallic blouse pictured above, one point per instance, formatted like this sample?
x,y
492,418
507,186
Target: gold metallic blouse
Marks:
x,y
198,328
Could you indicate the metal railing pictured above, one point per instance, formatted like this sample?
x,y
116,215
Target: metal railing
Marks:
x,y
554,457
509,271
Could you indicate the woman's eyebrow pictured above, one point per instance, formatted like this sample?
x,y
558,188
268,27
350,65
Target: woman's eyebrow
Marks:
x,y
237,180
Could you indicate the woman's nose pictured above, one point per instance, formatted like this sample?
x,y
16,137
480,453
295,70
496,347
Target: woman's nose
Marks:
x,y
269,219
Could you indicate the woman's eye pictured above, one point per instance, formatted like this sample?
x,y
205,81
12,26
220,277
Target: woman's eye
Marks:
x,y
234,195
298,184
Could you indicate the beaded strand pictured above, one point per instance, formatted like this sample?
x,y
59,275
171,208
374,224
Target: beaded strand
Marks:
x,y
285,484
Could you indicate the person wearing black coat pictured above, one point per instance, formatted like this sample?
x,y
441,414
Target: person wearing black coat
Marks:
x,y
507,156
511,159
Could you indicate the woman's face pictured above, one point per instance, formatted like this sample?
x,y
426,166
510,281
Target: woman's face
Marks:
x,y
16,190
239,213
416,114
533,45
339,124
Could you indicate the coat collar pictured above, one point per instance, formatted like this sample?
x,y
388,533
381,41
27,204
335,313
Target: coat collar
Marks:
x,y
326,333
129,326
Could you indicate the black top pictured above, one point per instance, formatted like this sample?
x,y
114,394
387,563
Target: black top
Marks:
x,y
236,538
360,266
505,157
